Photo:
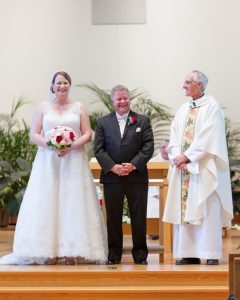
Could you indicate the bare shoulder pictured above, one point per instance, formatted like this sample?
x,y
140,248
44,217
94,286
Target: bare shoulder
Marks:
x,y
41,107
80,107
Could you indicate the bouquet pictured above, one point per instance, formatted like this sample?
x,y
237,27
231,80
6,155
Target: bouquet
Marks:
x,y
60,138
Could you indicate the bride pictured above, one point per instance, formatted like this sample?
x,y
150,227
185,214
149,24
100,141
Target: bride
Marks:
x,y
60,216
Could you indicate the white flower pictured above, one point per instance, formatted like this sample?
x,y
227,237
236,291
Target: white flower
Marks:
x,y
60,137
235,227
53,140
126,219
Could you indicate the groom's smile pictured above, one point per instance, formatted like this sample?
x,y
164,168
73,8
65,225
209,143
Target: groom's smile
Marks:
x,y
121,102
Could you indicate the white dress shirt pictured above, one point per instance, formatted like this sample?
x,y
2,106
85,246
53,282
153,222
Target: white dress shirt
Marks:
x,y
122,120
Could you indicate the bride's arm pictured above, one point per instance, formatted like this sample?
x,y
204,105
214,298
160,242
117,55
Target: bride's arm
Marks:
x,y
36,128
85,130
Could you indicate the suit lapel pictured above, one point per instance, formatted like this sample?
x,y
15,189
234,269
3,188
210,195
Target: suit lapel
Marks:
x,y
131,113
115,125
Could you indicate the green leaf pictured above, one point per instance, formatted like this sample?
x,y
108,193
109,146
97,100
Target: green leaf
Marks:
x,y
238,205
23,164
13,206
6,166
4,182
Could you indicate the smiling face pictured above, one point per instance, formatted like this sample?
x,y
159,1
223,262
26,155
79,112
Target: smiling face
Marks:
x,y
61,84
193,88
121,101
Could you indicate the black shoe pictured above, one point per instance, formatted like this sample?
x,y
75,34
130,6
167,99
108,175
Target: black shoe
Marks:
x,y
154,237
141,261
189,261
212,262
113,262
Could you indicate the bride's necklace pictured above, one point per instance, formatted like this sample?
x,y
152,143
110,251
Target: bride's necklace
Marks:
x,y
61,107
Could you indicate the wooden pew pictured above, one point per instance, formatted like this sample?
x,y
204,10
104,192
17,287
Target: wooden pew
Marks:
x,y
234,275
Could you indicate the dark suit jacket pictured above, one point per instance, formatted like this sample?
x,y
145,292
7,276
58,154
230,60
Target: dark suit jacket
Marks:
x,y
136,146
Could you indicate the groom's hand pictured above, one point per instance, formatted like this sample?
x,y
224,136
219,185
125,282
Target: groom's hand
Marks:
x,y
120,170
128,167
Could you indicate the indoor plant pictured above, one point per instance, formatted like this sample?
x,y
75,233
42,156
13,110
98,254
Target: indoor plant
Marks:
x,y
16,156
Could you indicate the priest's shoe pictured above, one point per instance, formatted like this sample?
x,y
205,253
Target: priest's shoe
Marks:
x,y
189,261
141,261
212,262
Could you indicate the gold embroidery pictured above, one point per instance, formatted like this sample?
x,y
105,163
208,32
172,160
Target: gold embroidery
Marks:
x,y
187,139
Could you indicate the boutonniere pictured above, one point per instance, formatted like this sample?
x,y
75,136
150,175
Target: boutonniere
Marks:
x,y
132,120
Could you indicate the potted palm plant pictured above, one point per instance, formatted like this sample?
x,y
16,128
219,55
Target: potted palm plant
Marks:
x,y
16,156
233,143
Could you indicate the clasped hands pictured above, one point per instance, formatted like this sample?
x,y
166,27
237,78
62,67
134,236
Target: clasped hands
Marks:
x,y
181,162
63,151
122,170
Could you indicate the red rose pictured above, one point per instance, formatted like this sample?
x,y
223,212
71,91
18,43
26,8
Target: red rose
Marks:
x,y
100,201
72,135
59,138
134,119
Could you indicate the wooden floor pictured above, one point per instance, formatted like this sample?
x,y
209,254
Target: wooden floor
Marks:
x,y
126,280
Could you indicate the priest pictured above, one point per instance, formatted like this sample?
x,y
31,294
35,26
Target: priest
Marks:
x,y
199,200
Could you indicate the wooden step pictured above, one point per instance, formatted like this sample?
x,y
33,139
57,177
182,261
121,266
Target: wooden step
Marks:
x,y
115,292
110,276
111,282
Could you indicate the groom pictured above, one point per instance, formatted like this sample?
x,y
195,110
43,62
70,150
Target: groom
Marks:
x,y
123,145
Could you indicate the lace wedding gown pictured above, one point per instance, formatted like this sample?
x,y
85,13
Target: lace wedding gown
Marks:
x,y
60,214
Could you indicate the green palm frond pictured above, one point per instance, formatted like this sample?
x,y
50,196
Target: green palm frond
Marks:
x,y
151,109
9,121
94,117
21,101
101,95
137,93
159,116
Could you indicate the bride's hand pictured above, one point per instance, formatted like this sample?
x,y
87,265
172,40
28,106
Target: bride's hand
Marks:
x,y
63,152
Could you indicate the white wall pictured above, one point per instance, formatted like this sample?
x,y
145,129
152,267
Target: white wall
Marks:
x,y
41,37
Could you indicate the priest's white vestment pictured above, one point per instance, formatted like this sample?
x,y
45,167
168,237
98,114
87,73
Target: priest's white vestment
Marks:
x,y
209,200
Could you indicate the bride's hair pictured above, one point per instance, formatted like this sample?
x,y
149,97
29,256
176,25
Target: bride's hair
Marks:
x,y
62,73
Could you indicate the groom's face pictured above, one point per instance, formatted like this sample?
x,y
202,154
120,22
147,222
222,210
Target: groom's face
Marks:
x,y
121,102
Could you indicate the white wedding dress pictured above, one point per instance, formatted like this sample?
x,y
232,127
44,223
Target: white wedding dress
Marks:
x,y
60,215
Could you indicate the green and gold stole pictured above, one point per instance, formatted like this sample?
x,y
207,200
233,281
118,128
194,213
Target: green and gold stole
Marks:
x,y
187,139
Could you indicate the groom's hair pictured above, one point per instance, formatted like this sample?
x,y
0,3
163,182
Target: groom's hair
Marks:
x,y
118,88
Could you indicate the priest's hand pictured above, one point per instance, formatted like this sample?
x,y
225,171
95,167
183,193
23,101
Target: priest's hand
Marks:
x,y
181,159
183,167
